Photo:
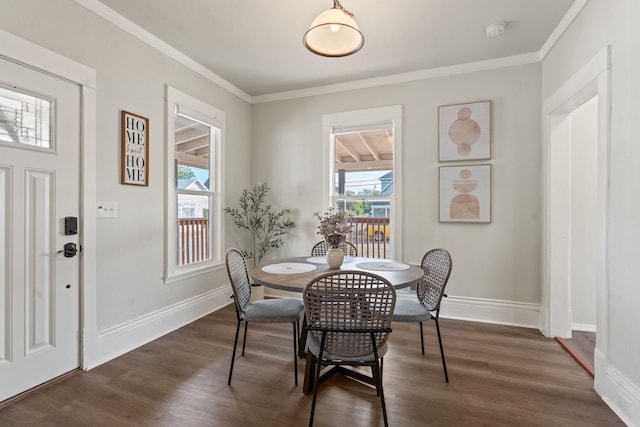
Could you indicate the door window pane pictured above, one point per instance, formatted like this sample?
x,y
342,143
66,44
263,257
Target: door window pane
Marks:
x,y
25,119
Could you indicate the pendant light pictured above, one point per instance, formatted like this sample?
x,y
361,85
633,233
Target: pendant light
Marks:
x,y
334,33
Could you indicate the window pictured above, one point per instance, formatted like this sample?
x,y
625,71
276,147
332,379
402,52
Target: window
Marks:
x,y
25,119
361,157
194,210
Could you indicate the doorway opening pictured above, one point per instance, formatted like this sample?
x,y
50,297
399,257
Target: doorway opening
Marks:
x,y
575,207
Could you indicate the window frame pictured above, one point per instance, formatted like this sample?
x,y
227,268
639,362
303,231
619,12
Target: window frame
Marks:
x,y
178,102
336,123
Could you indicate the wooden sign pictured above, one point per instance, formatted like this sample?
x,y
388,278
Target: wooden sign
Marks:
x,y
135,149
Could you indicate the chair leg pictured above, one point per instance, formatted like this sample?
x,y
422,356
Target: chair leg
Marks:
x,y
295,352
376,380
421,338
302,342
377,375
317,379
309,373
378,367
444,364
244,339
316,374
233,355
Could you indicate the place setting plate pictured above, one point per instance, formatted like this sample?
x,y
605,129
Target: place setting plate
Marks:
x,y
383,266
288,268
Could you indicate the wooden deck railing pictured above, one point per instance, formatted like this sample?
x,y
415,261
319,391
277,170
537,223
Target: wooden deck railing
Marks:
x,y
371,236
193,235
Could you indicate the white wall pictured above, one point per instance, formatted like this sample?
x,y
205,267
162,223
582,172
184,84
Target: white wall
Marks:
x,y
132,76
605,23
496,267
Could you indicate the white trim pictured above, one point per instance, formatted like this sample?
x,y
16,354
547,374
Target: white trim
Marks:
x,y
190,106
498,312
135,30
431,73
88,242
583,327
128,336
622,396
564,23
18,50
193,273
592,79
491,311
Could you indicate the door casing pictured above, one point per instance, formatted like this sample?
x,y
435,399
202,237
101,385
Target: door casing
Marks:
x,y
593,79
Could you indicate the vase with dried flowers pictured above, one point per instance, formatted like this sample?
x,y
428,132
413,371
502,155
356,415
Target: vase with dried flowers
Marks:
x,y
334,228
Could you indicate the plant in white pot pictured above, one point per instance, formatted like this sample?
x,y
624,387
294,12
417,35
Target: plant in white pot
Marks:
x,y
334,228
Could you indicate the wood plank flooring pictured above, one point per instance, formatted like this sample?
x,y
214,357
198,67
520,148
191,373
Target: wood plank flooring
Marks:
x,y
499,376
584,343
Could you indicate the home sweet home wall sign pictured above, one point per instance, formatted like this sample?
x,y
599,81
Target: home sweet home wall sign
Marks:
x,y
135,149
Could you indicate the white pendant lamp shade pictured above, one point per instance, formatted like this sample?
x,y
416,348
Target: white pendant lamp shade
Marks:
x,y
334,33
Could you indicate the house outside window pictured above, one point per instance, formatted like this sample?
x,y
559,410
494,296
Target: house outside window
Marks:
x,y
194,209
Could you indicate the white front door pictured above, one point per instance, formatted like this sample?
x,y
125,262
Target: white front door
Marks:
x,y
39,187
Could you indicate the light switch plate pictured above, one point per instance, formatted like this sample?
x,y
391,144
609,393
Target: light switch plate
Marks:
x,y
107,210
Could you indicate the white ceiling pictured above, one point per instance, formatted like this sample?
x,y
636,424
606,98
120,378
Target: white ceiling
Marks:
x,y
256,45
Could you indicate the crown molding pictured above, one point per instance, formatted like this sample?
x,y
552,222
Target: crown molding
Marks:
x,y
130,27
470,67
135,30
564,23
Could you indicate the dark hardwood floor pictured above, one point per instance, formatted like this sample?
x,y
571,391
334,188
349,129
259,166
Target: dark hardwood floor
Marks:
x,y
499,376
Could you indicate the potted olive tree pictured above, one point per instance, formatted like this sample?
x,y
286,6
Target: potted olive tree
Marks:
x,y
266,225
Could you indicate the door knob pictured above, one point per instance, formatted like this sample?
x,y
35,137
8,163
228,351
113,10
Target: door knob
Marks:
x,y
69,250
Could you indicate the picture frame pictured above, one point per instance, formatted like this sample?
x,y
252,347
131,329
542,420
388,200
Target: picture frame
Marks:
x,y
135,149
465,193
464,131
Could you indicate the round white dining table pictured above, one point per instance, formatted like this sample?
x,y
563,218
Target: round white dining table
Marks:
x,y
293,274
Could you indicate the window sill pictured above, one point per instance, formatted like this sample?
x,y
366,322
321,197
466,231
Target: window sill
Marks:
x,y
190,272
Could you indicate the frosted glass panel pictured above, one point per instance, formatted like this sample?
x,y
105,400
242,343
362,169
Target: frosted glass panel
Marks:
x,y
25,119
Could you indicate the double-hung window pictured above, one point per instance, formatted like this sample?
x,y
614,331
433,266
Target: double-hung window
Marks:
x,y
362,163
194,204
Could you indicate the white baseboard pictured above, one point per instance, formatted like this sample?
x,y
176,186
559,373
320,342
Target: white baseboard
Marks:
x,y
583,327
622,395
125,337
473,309
491,311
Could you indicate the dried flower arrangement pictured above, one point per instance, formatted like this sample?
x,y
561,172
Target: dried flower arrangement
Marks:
x,y
334,226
